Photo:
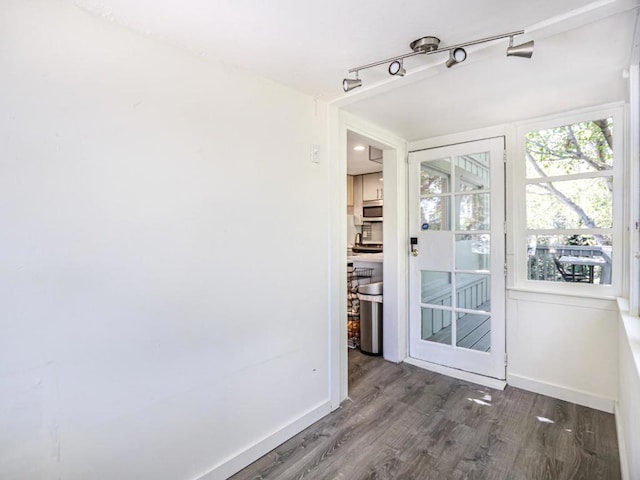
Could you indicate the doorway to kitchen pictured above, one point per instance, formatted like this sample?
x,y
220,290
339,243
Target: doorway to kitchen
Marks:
x,y
365,243
389,230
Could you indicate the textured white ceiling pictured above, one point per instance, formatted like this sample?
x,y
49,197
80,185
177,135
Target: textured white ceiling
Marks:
x,y
309,46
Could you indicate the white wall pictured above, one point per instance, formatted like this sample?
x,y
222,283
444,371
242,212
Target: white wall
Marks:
x,y
163,282
395,234
627,419
564,347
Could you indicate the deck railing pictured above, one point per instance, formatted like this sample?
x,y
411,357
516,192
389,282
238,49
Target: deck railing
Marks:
x,y
470,295
540,264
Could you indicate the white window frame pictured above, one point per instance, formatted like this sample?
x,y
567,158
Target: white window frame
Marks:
x,y
633,184
518,215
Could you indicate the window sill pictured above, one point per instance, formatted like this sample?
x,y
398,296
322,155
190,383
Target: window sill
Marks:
x,y
601,302
567,289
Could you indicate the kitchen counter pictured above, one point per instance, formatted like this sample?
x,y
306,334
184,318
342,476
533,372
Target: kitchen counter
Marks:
x,y
374,261
366,257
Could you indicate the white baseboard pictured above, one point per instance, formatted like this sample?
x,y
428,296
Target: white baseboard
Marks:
x,y
236,463
560,392
460,374
622,448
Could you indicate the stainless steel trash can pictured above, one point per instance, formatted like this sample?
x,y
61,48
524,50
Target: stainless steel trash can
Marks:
x,y
370,297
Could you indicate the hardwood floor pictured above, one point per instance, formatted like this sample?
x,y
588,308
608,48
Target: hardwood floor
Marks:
x,y
402,422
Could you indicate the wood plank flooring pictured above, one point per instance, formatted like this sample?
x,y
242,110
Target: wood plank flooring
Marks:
x,y
402,422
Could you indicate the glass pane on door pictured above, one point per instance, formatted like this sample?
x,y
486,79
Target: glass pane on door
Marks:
x,y
435,213
472,212
436,325
473,291
436,287
473,325
435,177
473,331
473,252
472,172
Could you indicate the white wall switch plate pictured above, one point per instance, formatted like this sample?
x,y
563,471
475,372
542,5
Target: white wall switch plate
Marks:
x,y
315,153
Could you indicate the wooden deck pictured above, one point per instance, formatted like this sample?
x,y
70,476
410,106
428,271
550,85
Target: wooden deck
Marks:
x,y
402,422
474,331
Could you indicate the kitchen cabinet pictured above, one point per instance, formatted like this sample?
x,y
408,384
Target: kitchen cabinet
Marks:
x,y
349,190
372,186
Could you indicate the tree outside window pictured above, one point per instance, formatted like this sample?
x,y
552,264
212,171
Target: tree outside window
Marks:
x,y
569,202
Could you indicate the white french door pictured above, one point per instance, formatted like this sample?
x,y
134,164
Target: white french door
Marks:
x,y
457,281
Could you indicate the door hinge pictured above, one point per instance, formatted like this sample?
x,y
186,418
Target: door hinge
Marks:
x,y
505,269
506,359
504,156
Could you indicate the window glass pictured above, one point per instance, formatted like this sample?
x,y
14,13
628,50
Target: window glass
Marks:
x,y
578,148
570,189
584,203
549,255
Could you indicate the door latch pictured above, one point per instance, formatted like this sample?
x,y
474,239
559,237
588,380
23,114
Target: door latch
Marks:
x,y
414,243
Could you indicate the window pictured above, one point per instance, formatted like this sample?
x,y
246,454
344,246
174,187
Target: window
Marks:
x,y
571,201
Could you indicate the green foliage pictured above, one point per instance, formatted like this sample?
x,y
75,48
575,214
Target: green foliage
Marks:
x,y
578,148
543,268
580,240
570,202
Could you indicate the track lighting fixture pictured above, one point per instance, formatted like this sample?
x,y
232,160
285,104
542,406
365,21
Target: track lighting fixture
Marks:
x,y
456,56
524,50
351,83
430,45
397,68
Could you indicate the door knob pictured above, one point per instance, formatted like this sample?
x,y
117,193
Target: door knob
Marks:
x,y
414,252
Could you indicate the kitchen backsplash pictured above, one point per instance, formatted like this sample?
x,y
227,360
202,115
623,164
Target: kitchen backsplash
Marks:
x,y
372,232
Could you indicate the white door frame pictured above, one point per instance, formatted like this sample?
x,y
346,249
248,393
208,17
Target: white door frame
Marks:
x,y
395,266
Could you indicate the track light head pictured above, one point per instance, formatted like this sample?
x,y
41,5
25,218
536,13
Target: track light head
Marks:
x,y
524,50
349,84
397,68
456,56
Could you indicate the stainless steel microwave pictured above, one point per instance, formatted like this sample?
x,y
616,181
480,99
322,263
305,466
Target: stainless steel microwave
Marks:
x,y
372,213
